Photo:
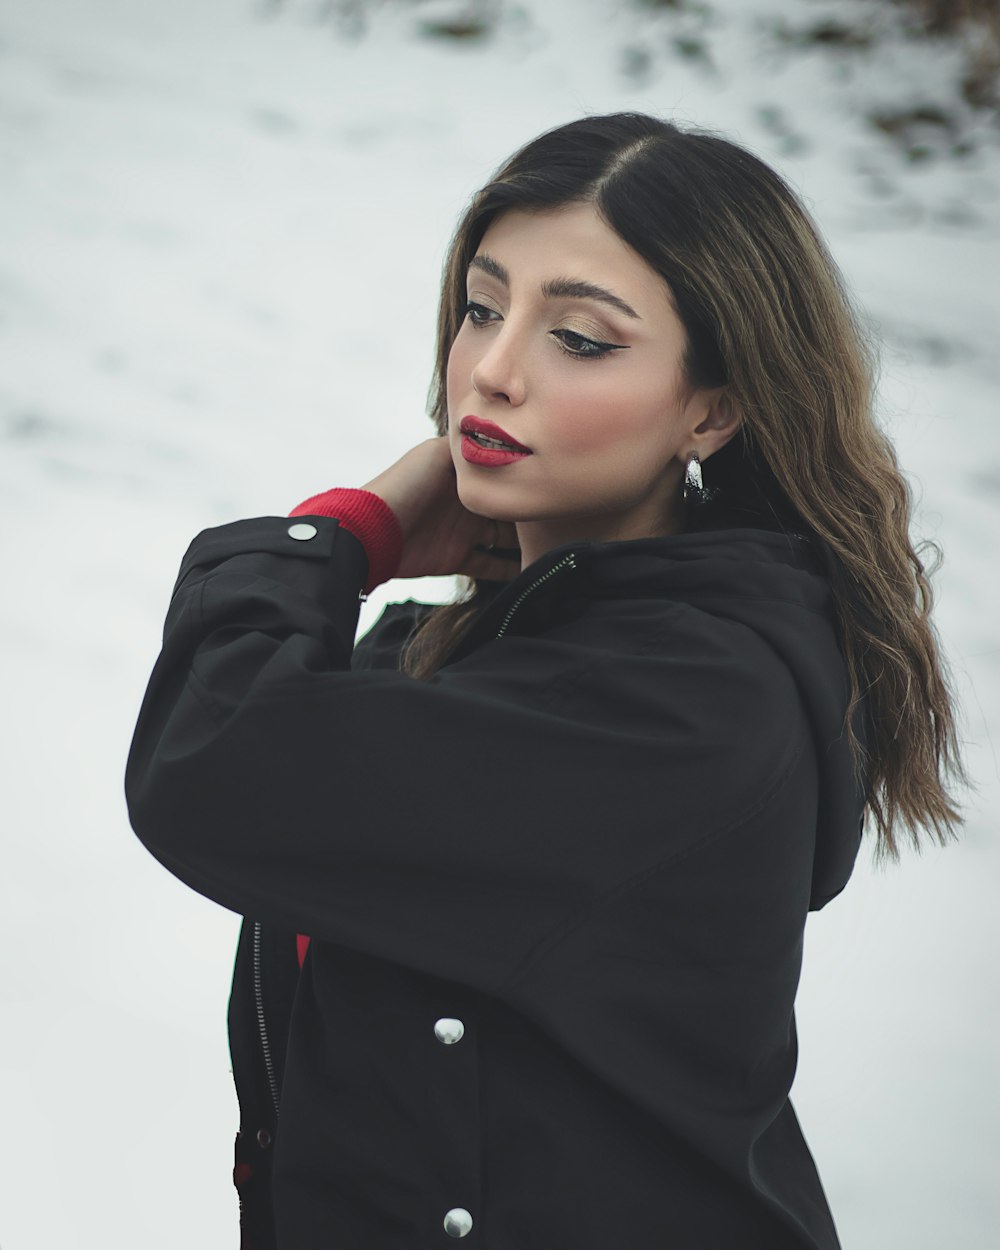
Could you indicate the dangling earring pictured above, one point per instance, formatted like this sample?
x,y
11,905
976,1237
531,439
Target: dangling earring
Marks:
x,y
694,487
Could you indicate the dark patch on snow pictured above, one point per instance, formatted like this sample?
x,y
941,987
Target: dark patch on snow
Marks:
x,y
775,120
273,121
637,64
921,131
828,32
468,28
926,346
29,426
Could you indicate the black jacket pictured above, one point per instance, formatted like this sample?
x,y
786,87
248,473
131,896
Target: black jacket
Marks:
x,y
592,838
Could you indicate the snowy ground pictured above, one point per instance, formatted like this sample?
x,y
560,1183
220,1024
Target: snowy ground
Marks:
x,y
221,234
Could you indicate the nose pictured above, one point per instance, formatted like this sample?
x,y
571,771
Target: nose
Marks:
x,y
498,374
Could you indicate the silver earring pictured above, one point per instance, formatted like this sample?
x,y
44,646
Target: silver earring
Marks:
x,y
694,487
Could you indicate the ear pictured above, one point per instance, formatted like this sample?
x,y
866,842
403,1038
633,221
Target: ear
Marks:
x,y
720,418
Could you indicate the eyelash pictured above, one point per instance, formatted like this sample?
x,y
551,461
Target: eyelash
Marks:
x,y
598,352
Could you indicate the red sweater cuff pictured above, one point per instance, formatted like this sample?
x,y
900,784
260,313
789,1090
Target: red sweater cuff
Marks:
x,y
372,522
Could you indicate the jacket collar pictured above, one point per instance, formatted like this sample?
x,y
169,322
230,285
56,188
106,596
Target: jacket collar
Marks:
x,y
727,562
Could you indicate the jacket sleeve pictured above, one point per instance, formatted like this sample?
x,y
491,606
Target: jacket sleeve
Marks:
x,y
453,825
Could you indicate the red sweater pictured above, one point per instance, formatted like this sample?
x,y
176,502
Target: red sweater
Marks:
x,y
372,522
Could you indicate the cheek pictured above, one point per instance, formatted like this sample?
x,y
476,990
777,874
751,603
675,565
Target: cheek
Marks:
x,y
461,362
449,380
607,415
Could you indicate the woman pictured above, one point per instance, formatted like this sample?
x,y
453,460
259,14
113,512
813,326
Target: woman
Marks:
x,y
525,876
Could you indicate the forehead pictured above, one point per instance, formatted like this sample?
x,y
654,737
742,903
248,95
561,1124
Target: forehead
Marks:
x,y
572,242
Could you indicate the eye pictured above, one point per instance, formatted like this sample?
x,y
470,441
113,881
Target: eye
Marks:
x,y
582,348
479,314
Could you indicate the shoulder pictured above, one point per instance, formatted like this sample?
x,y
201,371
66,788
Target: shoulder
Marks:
x,y
659,680
712,679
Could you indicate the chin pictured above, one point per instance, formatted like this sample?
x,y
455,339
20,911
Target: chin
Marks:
x,y
479,499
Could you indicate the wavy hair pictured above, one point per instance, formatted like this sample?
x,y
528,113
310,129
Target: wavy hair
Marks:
x,y
766,314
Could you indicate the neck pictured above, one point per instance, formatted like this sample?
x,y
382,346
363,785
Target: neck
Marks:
x,y
537,538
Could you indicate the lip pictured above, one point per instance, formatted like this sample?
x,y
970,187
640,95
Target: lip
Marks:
x,y
479,425
489,457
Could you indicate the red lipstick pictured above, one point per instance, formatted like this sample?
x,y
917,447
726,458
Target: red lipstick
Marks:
x,y
486,452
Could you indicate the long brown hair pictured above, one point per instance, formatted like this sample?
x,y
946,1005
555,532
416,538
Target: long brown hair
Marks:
x,y
766,314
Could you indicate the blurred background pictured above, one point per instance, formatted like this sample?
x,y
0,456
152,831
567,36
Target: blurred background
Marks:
x,y
222,230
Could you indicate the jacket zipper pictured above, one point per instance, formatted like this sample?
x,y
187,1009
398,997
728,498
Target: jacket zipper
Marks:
x,y
567,560
261,1022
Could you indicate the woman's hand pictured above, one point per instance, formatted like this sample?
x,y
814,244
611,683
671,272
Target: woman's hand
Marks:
x,y
440,535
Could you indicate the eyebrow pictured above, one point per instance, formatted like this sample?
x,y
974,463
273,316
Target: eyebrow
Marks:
x,y
566,288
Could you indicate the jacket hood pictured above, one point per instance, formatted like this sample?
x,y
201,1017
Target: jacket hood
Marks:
x,y
773,583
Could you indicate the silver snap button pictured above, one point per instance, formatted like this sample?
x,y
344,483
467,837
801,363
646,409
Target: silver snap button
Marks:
x,y
449,1031
302,532
263,1138
458,1222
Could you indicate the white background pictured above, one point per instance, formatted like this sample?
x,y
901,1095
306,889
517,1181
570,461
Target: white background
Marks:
x,y
222,228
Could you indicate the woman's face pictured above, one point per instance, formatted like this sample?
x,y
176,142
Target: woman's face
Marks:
x,y
571,346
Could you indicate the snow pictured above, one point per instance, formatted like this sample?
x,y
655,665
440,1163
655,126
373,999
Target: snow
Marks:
x,y
222,234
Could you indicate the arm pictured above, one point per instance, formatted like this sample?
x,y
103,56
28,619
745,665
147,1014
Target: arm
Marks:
x,y
496,801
